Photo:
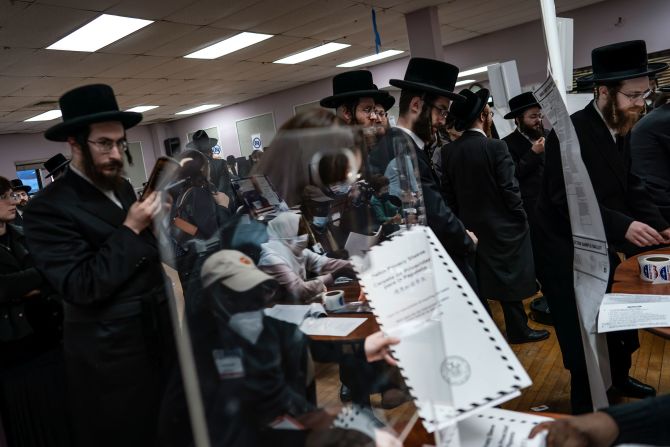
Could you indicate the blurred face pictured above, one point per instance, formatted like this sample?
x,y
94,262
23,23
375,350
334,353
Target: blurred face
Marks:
x,y
623,105
23,197
8,201
439,113
530,123
102,159
383,116
487,118
365,113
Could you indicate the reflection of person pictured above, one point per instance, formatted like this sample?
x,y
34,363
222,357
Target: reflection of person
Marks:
x,y
480,186
262,369
631,220
218,169
385,213
644,423
30,336
286,257
96,249
21,191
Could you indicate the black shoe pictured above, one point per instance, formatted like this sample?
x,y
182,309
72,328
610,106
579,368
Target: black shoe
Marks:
x,y
345,393
634,388
529,337
539,311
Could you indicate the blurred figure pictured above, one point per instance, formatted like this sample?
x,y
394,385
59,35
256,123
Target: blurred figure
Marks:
x,y
218,169
237,167
327,237
386,214
21,191
286,257
56,166
255,157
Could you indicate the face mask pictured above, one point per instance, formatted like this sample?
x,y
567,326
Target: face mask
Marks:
x,y
340,189
320,221
298,244
248,325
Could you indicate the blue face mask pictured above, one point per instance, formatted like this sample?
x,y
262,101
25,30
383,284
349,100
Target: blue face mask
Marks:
x,y
340,189
320,221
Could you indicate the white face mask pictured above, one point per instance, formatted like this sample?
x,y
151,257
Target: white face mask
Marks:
x,y
298,244
248,325
340,189
320,221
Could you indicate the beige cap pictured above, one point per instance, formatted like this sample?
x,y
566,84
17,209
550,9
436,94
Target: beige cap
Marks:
x,y
233,269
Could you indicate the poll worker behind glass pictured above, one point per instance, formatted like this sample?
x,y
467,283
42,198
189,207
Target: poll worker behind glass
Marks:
x,y
96,248
287,259
479,184
262,369
632,222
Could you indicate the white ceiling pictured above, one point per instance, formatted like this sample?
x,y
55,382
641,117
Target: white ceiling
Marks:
x,y
148,67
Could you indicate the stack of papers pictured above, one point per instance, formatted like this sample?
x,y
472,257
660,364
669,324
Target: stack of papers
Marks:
x,y
295,313
312,319
622,311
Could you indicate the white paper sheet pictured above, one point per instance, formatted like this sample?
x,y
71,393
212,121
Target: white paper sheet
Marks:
x,y
621,311
358,244
591,262
334,327
496,427
295,313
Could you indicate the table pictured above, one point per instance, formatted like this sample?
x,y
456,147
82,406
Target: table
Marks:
x,y
627,280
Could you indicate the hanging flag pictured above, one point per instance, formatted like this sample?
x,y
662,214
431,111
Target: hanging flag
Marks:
x,y
378,40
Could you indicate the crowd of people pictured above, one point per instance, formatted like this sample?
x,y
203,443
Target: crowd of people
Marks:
x,y
90,341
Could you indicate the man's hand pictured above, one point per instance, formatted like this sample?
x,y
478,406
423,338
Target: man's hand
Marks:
x,y
221,199
472,236
384,438
643,235
141,213
666,235
538,146
377,348
589,430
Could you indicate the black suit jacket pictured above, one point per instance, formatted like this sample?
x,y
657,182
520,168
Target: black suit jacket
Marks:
x,y
621,194
81,246
529,167
650,156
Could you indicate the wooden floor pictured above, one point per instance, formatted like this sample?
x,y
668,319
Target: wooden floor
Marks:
x,y
542,360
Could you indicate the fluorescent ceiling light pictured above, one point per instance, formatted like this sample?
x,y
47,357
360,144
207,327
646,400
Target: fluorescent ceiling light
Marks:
x,y
230,45
46,116
464,82
371,58
473,71
99,33
312,53
141,109
201,108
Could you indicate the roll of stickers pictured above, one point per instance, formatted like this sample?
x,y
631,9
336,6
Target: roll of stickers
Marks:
x,y
655,268
333,300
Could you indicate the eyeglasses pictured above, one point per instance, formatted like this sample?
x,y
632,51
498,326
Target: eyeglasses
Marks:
x,y
381,113
632,97
490,112
444,113
369,111
105,146
10,196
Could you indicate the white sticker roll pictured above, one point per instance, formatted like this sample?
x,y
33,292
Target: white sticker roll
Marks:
x,y
333,300
655,268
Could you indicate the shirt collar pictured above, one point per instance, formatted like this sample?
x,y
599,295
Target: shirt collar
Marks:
x,y
108,193
475,129
418,141
612,132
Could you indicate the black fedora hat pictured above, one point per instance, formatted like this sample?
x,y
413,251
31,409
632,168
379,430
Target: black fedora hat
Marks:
x,y
349,85
431,76
386,100
18,184
55,164
200,140
89,104
465,112
521,103
621,61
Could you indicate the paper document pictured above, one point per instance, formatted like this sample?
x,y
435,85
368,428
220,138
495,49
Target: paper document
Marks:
x,y
621,311
334,327
295,313
496,427
358,244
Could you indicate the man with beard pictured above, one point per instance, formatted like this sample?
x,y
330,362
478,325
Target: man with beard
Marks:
x,y
427,91
526,146
479,185
22,191
631,220
382,107
93,244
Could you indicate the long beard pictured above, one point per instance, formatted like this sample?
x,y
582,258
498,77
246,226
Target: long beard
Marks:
x,y
100,179
534,133
621,121
423,124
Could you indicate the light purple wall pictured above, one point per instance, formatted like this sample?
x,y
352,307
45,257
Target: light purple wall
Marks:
x,y
594,26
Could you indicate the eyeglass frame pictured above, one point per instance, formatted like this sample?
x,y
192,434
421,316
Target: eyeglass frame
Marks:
x,y
105,147
444,113
10,196
370,113
632,98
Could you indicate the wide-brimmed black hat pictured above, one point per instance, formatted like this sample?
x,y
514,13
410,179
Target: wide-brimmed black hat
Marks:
x,y
17,184
55,164
387,100
521,103
89,104
621,61
430,76
200,140
466,112
350,85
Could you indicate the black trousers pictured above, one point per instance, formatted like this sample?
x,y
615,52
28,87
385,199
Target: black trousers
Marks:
x,y
516,319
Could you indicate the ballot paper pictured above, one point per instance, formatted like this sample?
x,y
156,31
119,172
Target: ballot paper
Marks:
x,y
591,262
621,311
358,244
452,356
334,327
295,313
497,427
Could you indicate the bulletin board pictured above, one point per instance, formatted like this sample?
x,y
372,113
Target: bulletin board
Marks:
x,y
299,108
261,128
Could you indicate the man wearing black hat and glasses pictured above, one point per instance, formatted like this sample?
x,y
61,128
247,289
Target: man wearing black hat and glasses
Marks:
x,y
354,98
427,92
92,241
632,222
21,191
479,184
